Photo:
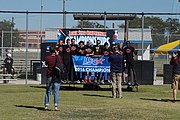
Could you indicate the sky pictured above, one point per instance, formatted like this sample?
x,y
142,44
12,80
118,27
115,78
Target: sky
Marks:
x,y
50,21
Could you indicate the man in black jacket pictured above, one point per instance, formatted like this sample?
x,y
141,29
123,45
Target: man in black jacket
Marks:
x,y
116,68
175,62
129,52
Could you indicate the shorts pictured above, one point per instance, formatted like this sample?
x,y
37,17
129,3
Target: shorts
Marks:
x,y
176,82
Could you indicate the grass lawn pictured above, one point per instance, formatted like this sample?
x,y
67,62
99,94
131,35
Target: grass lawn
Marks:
x,y
25,102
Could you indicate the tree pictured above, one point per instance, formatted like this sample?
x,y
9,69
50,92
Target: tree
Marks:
x,y
88,24
6,27
159,27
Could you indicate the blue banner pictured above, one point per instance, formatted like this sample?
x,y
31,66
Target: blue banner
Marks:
x,y
91,64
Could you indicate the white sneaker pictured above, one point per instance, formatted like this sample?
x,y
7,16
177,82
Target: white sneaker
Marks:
x,y
78,81
102,82
56,108
46,108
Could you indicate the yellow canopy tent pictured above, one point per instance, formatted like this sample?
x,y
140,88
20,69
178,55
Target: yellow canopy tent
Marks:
x,y
167,48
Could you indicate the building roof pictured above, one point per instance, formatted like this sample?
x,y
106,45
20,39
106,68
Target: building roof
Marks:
x,y
135,34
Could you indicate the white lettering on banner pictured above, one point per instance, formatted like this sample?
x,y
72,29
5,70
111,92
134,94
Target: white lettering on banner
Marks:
x,y
93,33
87,38
91,64
93,61
98,70
82,69
79,69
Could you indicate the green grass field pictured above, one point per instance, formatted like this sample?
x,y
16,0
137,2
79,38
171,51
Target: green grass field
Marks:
x,y
25,102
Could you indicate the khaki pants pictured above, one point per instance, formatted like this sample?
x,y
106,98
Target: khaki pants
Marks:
x,y
116,85
176,82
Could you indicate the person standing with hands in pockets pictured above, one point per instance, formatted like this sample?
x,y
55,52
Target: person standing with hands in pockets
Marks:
x,y
53,80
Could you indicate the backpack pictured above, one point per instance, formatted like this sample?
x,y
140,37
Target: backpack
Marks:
x,y
59,69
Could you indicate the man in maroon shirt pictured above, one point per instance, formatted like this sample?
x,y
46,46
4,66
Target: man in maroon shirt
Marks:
x,y
52,78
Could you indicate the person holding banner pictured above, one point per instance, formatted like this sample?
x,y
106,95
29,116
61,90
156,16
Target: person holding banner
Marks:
x,y
105,52
89,52
74,47
98,53
116,69
67,59
81,52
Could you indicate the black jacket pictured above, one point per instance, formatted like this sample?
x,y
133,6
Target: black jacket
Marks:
x,y
175,62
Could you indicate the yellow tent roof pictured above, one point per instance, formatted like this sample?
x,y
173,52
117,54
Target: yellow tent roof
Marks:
x,y
168,48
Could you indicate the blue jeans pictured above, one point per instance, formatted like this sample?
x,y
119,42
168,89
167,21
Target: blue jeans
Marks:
x,y
49,84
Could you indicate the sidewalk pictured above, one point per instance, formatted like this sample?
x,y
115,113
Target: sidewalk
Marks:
x,y
23,82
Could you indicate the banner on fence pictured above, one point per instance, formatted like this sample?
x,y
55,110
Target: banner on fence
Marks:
x,y
91,64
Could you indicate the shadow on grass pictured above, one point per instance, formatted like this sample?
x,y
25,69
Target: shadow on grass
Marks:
x,y
90,87
75,88
97,95
160,100
33,107
43,87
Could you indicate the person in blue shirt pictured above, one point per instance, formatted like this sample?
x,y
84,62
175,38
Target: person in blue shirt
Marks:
x,y
116,69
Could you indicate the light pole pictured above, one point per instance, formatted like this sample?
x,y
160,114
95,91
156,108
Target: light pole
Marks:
x,y
41,19
41,22
2,44
26,46
142,36
64,14
167,35
12,23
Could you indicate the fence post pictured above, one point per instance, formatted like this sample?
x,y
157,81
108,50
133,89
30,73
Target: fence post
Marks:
x,y
26,46
142,36
2,44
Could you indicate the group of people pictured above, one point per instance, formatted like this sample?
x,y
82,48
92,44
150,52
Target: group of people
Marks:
x,y
66,51
120,58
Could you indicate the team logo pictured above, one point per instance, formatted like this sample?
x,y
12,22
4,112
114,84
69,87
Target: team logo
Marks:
x,y
93,61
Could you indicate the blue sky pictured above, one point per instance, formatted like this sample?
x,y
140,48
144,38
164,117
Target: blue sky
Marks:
x,y
79,5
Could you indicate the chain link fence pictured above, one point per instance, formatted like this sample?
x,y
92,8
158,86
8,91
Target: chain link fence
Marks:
x,y
40,21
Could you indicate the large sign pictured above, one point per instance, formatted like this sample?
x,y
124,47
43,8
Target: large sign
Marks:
x,y
91,64
87,35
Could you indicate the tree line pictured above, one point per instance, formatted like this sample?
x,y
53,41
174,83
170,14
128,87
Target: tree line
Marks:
x,y
162,29
6,26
